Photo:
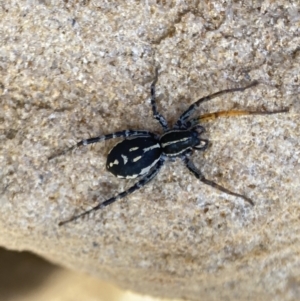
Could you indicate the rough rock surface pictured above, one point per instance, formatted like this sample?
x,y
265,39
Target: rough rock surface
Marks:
x,y
75,69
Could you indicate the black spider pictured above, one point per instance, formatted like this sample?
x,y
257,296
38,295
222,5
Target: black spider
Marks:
x,y
142,153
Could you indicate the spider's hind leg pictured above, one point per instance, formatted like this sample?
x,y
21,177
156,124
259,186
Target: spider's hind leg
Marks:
x,y
120,134
142,182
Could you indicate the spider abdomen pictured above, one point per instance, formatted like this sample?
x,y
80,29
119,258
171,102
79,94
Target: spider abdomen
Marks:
x,y
134,157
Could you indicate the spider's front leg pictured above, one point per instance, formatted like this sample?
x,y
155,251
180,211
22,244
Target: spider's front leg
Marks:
x,y
192,168
231,113
182,119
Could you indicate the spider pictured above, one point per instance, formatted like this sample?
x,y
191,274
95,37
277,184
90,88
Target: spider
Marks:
x,y
142,153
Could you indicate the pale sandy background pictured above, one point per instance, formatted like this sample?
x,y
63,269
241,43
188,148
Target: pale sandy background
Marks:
x,y
75,69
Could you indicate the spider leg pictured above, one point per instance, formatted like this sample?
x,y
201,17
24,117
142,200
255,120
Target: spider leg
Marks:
x,y
192,168
146,179
212,116
161,119
191,109
125,134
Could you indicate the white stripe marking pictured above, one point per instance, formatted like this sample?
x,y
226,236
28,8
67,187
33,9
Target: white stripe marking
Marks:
x,y
146,169
173,142
146,149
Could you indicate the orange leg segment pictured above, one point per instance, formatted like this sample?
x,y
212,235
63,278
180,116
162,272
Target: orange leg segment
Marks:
x,y
231,113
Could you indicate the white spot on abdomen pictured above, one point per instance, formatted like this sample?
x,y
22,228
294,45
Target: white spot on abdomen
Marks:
x,y
116,162
133,149
125,159
136,158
